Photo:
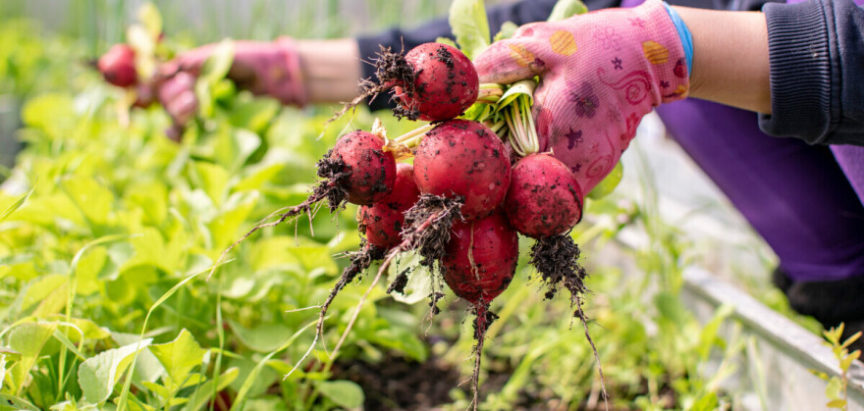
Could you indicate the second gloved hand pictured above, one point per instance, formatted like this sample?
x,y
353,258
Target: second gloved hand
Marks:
x,y
264,68
600,73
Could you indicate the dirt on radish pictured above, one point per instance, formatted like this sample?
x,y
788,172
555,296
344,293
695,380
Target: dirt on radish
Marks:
x,y
442,82
461,158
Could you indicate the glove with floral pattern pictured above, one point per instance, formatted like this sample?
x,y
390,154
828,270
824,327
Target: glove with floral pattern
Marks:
x,y
600,73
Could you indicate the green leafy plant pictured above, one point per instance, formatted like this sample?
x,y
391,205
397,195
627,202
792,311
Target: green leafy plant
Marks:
x,y
101,256
836,391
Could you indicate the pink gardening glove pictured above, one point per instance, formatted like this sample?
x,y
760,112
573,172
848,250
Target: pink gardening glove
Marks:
x,y
600,73
264,68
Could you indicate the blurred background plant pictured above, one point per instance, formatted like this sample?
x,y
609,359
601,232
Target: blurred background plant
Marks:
x,y
109,231
98,24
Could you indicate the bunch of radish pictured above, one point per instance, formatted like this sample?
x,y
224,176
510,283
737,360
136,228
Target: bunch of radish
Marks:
x,y
457,191
463,201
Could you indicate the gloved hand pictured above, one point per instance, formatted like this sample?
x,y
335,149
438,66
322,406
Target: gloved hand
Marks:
x,y
600,73
264,68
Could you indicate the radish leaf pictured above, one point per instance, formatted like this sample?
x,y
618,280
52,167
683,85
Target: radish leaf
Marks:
x,y
470,26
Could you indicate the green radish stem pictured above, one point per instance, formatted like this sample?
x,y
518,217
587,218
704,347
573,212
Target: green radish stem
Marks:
x,y
520,122
413,137
490,93
404,145
512,122
517,112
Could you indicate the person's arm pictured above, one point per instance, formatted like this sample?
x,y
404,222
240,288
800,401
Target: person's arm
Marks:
x,y
798,65
315,71
330,69
730,57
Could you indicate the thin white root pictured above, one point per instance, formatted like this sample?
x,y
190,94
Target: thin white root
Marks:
x,y
283,213
362,301
303,358
593,348
297,310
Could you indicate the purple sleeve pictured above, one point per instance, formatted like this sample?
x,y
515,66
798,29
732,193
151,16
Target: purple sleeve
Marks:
x,y
816,51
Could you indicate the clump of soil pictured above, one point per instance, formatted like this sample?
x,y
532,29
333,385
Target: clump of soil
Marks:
x,y
332,170
397,383
392,68
557,260
427,226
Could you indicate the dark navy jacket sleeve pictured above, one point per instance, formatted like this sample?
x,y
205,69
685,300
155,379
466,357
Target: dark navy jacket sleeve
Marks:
x,y
816,51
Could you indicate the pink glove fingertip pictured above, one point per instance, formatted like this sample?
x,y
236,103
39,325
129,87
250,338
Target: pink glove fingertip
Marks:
x,y
511,60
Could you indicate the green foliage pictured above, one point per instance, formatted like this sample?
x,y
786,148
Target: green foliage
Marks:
x,y
103,247
567,8
29,65
98,375
470,26
837,387
343,393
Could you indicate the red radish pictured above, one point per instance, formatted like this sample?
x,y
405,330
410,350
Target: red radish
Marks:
x,y
544,202
381,222
359,171
479,264
544,198
369,171
380,225
356,170
481,258
118,66
433,82
461,158
443,83
405,192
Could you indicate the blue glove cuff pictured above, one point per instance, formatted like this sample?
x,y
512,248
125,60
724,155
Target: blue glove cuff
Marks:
x,y
684,34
